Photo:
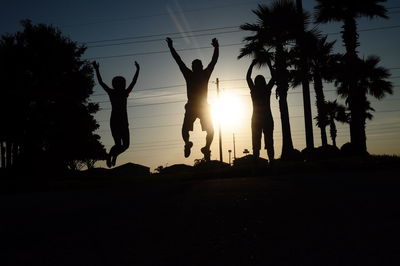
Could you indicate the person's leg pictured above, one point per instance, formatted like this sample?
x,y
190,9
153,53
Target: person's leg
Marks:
x,y
255,137
209,137
114,151
117,142
187,126
207,125
269,143
124,145
206,149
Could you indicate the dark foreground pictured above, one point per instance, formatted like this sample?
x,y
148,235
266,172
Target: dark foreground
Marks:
x,y
307,219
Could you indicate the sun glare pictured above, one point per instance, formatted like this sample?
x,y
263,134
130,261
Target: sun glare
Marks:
x,y
229,110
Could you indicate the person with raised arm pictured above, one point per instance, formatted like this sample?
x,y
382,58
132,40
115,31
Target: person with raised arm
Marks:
x,y
261,120
197,80
119,116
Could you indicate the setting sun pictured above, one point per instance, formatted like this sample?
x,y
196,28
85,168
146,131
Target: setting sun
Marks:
x,y
228,110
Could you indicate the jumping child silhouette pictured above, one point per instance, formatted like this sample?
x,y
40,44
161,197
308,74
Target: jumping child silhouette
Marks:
x,y
119,116
261,120
197,89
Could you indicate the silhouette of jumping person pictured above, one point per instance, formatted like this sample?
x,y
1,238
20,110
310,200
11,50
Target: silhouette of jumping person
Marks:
x,y
261,120
197,91
119,116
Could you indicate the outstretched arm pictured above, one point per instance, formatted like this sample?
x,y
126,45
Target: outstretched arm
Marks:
x,y
271,82
100,80
130,87
214,59
184,69
248,76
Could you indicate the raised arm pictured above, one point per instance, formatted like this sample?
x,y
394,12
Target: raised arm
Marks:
x,y
271,82
214,59
248,76
100,80
184,69
130,87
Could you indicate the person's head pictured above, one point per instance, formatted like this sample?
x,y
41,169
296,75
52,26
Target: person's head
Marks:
x,y
119,83
259,82
197,65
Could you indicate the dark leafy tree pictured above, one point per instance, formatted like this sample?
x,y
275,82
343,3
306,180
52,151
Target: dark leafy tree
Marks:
x,y
45,86
348,12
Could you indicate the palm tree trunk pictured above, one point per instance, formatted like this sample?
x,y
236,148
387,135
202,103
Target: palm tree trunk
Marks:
x,y
14,153
320,99
355,95
287,144
333,132
8,154
282,88
3,155
305,83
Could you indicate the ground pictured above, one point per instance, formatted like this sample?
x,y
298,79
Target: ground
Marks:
x,y
302,219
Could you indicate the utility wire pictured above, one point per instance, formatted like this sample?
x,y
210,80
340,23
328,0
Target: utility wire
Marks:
x,y
207,47
175,125
162,39
161,34
159,14
205,34
160,52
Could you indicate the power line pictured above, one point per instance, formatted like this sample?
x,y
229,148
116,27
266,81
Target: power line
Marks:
x,y
148,89
157,40
183,85
174,125
181,101
233,44
161,34
158,14
148,104
159,52
147,97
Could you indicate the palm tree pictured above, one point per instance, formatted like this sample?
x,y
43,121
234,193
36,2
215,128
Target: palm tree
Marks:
x,y
318,52
347,12
304,67
334,111
274,32
372,80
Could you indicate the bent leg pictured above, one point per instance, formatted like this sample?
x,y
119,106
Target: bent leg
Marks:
x,y
123,146
117,143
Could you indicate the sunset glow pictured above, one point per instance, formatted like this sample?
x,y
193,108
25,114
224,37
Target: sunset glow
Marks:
x,y
228,110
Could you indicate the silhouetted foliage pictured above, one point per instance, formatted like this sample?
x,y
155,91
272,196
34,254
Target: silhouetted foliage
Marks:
x,y
333,112
44,91
347,12
159,169
321,61
199,161
371,80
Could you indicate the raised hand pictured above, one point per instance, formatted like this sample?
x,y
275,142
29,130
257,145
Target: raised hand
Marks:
x,y
169,41
95,65
137,65
215,43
